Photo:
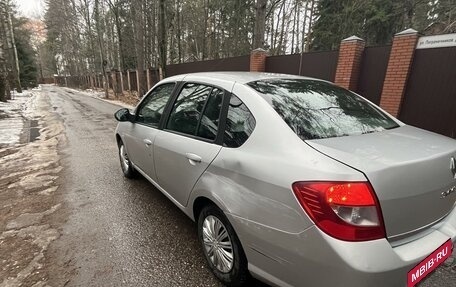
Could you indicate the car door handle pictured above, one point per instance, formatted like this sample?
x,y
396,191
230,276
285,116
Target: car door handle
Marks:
x,y
148,142
193,158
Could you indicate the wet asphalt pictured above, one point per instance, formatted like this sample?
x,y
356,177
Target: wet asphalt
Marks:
x,y
120,232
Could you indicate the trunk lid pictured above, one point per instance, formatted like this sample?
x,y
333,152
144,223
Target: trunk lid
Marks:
x,y
409,168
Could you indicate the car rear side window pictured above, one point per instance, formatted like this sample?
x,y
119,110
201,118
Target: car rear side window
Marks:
x,y
208,126
316,109
151,109
240,123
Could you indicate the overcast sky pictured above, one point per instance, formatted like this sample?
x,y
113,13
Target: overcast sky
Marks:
x,y
31,8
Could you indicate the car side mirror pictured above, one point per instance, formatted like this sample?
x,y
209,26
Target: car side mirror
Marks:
x,y
123,115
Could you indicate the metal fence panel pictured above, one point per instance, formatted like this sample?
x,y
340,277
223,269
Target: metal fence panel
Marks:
x,y
373,72
430,98
320,65
241,63
133,81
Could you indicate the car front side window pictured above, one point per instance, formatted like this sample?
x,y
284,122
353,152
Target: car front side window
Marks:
x,y
151,109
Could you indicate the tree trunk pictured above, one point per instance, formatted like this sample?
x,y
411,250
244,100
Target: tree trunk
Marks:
x,y
2,72
162,39
138,23
11,46
2,61
100,43
303,42
120,40
260,23
179,32
309,33
282,30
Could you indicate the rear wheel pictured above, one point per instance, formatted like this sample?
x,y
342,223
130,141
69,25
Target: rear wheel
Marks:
x,y
221,247
125,163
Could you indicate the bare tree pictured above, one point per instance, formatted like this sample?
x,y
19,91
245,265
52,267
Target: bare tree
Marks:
x,y
100,44
138,23
162,39
260,23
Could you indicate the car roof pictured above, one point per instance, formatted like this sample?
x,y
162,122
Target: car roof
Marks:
x,y
238,77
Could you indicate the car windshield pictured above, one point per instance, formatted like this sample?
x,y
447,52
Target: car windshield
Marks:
x,y
316,109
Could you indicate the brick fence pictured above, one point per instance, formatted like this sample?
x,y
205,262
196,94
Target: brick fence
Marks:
x,y
380,74
347,73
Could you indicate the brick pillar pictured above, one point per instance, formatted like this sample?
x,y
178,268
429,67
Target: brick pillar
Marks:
x,y
258,60
349,63
399,64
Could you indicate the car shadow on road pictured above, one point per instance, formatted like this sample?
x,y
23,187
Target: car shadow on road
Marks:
x,y
158,206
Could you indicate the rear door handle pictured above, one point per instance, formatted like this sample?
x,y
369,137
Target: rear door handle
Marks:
x,y
148,142
193,158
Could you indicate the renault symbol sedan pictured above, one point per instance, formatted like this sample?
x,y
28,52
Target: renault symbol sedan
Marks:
x,y
295,181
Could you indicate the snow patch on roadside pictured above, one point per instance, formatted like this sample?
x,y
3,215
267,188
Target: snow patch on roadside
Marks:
x,y
12,117
100,96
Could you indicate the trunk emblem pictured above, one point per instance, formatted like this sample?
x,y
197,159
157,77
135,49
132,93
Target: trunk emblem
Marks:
x,y
448,192
453,166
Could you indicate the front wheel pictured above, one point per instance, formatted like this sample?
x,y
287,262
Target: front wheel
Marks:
x,y
221,247
125,163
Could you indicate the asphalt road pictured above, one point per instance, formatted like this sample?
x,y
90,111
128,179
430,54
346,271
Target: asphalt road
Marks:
x,y
119,232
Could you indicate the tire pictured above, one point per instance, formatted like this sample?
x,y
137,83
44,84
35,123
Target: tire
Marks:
x,y
212,221
125,163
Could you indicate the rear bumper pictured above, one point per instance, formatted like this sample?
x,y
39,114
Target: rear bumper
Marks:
x,y
312,258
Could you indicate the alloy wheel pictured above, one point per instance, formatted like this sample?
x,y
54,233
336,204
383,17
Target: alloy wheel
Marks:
x,y
217,244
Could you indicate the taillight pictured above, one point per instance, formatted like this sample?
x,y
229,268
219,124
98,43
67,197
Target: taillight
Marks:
x,y
344,210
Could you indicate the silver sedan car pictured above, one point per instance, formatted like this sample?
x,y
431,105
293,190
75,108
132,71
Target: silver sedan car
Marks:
x,y
295,181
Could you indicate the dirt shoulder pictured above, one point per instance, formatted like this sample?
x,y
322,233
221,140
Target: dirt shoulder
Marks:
x,y
29,173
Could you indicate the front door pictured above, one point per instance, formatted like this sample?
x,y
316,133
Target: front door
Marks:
x,y
141,135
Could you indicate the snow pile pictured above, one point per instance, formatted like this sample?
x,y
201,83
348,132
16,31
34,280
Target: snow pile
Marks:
x,y
100,96
11,116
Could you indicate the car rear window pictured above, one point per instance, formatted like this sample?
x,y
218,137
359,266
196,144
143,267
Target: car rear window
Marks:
x,y
316,109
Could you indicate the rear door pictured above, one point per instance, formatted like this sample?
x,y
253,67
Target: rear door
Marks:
x,y
189,141
141,135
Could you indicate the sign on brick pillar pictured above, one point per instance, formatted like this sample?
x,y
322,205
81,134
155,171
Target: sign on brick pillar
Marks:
x,y
349,63
399,64
258,60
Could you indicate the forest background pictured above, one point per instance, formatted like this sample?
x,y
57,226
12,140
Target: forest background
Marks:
x,y
80,37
